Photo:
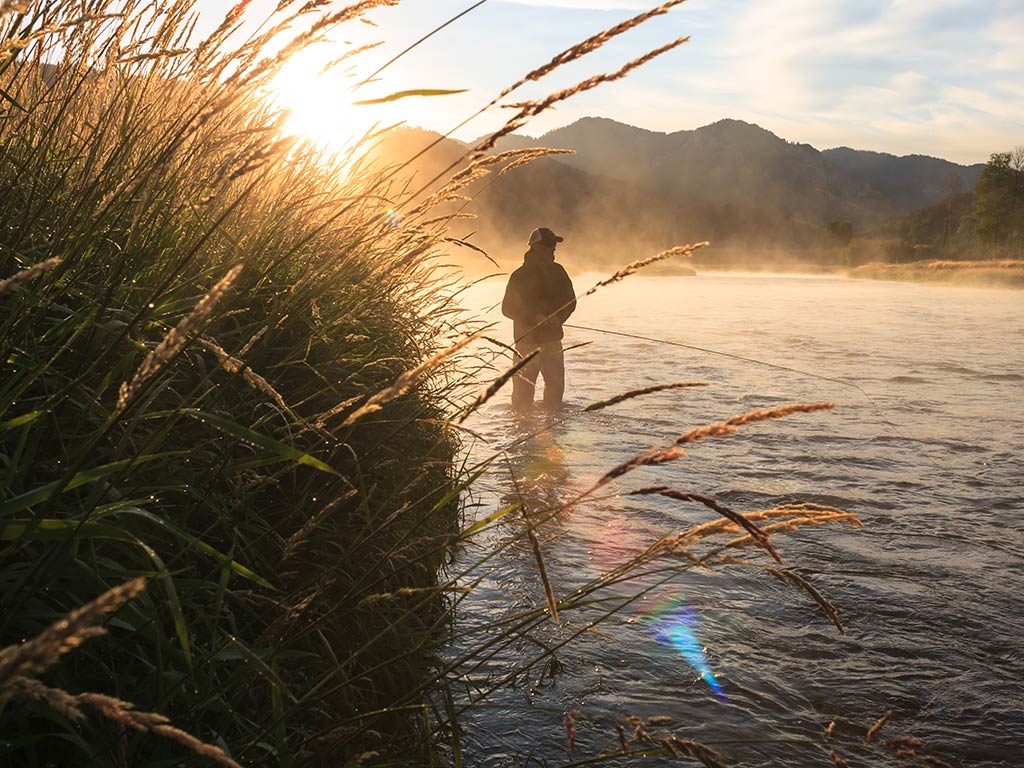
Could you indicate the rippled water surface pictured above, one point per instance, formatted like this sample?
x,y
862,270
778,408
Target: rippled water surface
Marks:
x,y
929,590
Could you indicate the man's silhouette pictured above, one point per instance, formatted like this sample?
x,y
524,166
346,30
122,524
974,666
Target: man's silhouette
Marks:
x,y
539,298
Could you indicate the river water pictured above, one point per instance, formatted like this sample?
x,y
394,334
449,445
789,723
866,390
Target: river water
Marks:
x,y
929,590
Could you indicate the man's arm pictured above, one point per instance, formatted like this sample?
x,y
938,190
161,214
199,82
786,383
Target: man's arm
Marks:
x,y
567,296
512,303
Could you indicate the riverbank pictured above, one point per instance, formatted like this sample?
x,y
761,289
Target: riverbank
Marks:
x,y
996,273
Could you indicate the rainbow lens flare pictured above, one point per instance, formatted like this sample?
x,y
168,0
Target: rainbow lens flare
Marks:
x,y
673,623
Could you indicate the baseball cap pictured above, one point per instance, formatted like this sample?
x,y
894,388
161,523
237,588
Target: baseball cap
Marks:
x,y
544,235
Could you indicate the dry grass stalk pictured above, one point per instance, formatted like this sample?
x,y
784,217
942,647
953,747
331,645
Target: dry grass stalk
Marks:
x,y
13,6
787,526
496,385
903,742
406,381
466,244
253,379
718,429
406,592
649,458
569,721
513,155
790,577
762,538
175,340
644,391
566,56
289,616
55,698
347,55
314,522
538,555
837,761
809,514
314,33
723,428
636,266
620,729
707,756
361,759
639,730
28,274
124,713
444,218
587,46
323,418
879,724
479,168
534,108
533,154
42,651
549,592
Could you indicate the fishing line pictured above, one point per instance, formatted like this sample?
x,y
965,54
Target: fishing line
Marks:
x,y
874,405
723,354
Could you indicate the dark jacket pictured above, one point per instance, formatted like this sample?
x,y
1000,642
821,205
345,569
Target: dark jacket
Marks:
x,y
538,289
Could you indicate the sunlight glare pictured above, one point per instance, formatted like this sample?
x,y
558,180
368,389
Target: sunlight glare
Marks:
x,y
320,103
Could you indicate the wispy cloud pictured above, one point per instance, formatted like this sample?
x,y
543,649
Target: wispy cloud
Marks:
x,y
941,77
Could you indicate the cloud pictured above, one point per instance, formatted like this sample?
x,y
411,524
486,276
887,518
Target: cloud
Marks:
x,y
900,75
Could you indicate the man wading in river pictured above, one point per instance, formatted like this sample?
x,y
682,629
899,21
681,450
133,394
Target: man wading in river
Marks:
x,y
539,298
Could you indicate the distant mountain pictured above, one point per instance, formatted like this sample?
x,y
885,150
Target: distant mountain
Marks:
x,y
629,192
607,222
736,163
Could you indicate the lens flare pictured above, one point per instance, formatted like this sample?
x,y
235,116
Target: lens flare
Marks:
x,y
673,623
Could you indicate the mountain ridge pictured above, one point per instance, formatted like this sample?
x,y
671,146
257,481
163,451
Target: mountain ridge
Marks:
x,y
734,162
724,120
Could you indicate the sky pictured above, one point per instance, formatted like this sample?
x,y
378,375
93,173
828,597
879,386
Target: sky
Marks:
x,y
934,77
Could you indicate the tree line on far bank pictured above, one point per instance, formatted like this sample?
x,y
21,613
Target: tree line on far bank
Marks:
x,y
985,223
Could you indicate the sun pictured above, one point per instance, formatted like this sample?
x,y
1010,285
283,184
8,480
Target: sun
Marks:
x,y
319,101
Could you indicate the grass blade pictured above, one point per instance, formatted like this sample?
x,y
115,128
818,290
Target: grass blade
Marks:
x,y
282,451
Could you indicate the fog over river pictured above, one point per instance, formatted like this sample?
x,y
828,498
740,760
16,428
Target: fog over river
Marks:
x,y
929,590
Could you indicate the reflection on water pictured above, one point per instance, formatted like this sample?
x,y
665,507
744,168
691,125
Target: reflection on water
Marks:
x,y
534,471
929,590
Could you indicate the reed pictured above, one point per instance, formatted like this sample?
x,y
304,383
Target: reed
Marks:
x,y
629,395
636,266
186,292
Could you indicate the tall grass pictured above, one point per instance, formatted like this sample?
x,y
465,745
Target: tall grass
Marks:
x,y
197,304
224,370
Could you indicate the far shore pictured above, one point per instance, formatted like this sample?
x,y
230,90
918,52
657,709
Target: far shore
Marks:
x,y
995,273
1005,273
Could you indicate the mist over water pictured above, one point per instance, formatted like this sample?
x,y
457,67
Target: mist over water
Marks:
x,y
929,590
